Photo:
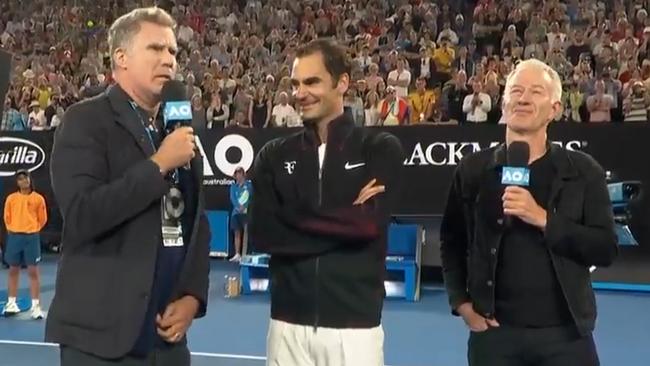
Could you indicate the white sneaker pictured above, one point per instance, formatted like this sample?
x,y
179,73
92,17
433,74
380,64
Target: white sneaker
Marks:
x,y
236,258
37,313
11,308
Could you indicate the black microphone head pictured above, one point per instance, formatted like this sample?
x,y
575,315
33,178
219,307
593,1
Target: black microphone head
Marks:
x,y
518,154
174,91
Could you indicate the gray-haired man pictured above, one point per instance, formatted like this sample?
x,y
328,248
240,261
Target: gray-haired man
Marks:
x,y
126,294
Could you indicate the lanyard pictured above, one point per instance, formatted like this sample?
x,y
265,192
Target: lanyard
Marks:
x,y
149,132
144,124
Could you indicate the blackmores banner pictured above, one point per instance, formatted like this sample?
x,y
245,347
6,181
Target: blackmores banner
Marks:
x,y
432,153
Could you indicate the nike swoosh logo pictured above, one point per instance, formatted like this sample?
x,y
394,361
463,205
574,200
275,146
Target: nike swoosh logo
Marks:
x,y
349,166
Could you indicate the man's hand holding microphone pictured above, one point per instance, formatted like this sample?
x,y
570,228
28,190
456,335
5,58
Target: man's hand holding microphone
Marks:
x,y
176,150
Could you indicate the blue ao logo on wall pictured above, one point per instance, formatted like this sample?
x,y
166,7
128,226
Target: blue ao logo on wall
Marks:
x,y
244,156
17,153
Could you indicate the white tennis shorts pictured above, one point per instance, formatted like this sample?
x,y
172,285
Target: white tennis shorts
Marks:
x,y
299,345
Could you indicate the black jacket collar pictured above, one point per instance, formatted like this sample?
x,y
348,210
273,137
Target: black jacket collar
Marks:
x,y
561,160
337,131
129,117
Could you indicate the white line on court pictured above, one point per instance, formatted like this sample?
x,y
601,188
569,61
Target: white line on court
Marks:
x,y
200,354
23,343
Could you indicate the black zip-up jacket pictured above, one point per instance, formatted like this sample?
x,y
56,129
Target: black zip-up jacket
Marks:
x,y
327,256
579,231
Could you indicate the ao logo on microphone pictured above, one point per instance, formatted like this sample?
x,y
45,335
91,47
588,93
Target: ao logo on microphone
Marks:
x,y
227,167
178,111
515,176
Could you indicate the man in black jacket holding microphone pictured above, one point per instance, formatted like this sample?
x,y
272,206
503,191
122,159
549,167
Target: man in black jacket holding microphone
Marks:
x,y
322,204
134,265
517,241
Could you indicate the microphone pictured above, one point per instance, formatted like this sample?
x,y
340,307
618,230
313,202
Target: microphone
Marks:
x,y
177,110
516,172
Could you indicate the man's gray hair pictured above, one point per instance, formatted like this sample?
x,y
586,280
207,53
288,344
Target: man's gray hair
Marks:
x,y
554,77
127,26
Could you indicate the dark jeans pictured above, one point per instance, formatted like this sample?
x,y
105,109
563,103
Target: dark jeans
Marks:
x,y
506,346
178,355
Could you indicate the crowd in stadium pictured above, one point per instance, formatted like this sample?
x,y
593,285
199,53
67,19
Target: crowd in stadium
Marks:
x,y
415,61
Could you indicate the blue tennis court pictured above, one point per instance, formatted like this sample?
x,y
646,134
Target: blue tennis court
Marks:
x,y
417,334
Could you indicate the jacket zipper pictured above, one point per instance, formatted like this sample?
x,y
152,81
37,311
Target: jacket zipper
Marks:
x,y
317,264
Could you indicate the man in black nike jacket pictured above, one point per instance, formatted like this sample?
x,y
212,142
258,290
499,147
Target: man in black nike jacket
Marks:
x,y
323,199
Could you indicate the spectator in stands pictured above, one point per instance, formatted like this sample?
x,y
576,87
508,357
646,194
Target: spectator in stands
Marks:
x,y
364,60
393,110
534,49
477,105
12,120
240,120
613,87
400,78
241,192
92,88
283,111
635,106
218,113
454,94
495,92
577,47
192,89
354,104
25,215
426,67
605,41
371,109
199,115
555,39
243,95
58,117
606,61
373,77
260,110
463,61
600,104
572,101
447,34
361,88
36,118
510,39
443,56
421,102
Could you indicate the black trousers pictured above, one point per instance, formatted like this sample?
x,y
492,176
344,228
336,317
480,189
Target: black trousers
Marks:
x,y
507,346
177,355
